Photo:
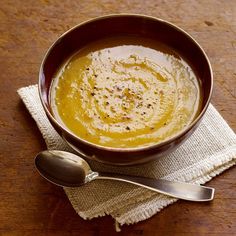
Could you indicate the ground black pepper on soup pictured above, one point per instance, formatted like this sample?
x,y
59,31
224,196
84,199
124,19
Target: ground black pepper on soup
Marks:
x,y
125,92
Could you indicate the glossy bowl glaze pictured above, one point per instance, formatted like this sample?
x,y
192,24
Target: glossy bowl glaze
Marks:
x,y
138,26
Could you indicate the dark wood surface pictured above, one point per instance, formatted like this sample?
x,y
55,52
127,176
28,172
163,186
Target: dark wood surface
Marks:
x,y
31,206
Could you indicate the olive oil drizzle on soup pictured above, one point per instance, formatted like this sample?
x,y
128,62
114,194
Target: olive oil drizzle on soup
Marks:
x,y
125,94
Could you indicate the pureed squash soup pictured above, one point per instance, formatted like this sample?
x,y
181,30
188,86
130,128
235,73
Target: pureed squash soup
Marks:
x,y
125,92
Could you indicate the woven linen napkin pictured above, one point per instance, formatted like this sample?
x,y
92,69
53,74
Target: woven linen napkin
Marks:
x,y
207,153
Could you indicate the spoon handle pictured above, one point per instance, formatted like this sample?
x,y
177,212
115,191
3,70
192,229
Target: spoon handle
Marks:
x,y
179,190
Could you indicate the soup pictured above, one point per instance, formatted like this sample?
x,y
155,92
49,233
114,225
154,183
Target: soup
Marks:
x,y
124,93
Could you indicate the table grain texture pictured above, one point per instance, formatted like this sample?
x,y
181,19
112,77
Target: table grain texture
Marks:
x,y
31,206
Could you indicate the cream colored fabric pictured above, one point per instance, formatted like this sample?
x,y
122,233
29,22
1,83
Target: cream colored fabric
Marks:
x,y
208,152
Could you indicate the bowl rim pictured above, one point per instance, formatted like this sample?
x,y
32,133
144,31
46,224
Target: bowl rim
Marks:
x,y
132,149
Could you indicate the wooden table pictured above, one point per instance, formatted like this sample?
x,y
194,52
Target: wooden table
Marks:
x,y
31,206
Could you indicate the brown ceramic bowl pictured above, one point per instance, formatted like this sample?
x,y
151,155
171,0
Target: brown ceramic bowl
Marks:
x,y
125,24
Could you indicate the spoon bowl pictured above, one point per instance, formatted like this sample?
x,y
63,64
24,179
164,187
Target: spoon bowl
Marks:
x,y
69,170
62,168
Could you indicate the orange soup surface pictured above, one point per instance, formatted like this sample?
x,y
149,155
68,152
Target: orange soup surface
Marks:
x,y
125,93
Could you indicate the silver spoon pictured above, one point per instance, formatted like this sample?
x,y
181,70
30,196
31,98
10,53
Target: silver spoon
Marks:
x,y
69,170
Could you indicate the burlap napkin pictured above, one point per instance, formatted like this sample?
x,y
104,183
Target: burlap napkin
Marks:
x,y
208,152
